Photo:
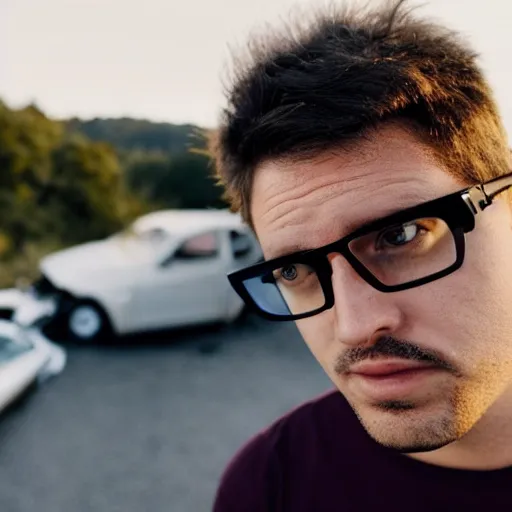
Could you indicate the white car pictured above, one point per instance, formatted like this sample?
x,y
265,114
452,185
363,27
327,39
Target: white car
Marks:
x,y
10,299
168,269
26,358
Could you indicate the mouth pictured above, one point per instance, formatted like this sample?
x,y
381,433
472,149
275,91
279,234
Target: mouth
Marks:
x,y
391,380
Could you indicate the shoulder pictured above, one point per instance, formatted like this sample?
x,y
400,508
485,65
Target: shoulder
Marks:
x,y
254,474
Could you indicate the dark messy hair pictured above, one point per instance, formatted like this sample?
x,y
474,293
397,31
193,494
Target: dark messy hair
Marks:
x,y
309,88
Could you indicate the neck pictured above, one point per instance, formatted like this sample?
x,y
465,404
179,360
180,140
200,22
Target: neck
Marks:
x,y
487,446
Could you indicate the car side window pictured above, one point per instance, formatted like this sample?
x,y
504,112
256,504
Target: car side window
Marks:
x,y
241,244
201,246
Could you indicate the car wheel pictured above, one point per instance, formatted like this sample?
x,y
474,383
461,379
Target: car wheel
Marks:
x,y
87,322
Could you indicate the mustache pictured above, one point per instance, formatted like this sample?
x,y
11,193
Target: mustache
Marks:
x,y
391,347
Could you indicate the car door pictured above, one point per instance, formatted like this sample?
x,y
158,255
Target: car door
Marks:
x,y
244,251
183,288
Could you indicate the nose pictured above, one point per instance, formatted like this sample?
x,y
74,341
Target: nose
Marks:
x,y
362,313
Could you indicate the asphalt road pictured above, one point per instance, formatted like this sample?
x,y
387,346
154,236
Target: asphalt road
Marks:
x,y
149,424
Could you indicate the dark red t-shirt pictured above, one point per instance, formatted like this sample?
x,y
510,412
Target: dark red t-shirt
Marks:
x,y
319,458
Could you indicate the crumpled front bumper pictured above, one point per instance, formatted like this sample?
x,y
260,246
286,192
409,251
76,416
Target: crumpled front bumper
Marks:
x,y
32,311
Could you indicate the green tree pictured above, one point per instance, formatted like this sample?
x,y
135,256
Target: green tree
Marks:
x,y
190,179
178,181
56,189
145,176
27,138
86,190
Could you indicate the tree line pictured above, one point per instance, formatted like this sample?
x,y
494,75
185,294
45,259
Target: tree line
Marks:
x,y
64,182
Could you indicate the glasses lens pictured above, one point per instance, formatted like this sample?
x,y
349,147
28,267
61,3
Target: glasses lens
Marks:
x,y
406,252
291,290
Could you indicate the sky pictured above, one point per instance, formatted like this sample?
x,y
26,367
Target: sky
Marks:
x,y
164,59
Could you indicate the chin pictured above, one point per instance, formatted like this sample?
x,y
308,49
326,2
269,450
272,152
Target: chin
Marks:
x,y
404,427
408,446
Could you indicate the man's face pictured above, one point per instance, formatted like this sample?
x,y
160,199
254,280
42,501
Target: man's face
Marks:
x,y
464,318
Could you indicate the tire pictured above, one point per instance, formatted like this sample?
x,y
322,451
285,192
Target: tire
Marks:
x,y
86,322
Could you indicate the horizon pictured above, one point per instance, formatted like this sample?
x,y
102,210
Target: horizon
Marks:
x,y
154,77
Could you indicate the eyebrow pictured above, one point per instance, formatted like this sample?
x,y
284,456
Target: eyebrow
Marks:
x,y
401,204
287,250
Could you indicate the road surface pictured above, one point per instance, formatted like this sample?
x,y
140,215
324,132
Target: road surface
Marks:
x,y
148,424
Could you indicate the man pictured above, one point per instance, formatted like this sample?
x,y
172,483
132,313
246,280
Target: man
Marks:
x,y
367,153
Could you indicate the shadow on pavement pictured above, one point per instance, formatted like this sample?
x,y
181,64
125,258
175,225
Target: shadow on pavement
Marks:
x,y
206,339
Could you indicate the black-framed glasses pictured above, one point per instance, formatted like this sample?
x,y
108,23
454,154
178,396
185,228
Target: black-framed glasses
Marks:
x,y
406,249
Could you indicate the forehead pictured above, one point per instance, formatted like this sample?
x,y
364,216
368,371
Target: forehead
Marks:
x,y
309,203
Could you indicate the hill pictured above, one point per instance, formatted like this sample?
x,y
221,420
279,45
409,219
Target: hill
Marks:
x,y
138,134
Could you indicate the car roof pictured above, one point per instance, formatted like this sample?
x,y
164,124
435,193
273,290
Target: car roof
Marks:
x,y
189,222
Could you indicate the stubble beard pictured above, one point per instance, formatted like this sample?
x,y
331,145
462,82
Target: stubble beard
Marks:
x,y
404,427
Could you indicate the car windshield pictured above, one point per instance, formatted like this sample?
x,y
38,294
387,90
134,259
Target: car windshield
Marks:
x,y
10,350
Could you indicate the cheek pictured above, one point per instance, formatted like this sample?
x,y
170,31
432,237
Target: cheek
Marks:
x,y
485,283
318,333
466,315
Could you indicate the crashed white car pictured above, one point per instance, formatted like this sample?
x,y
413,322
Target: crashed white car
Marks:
x,y
10,299
26,358
168,269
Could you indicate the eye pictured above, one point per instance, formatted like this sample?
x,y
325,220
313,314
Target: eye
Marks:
x,y
289,273
398,235
292,275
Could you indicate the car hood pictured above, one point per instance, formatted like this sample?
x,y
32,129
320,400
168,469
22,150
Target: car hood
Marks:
x,y
96,259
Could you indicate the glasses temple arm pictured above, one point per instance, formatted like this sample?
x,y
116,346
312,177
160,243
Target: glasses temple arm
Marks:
x,y
496,186
479,197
